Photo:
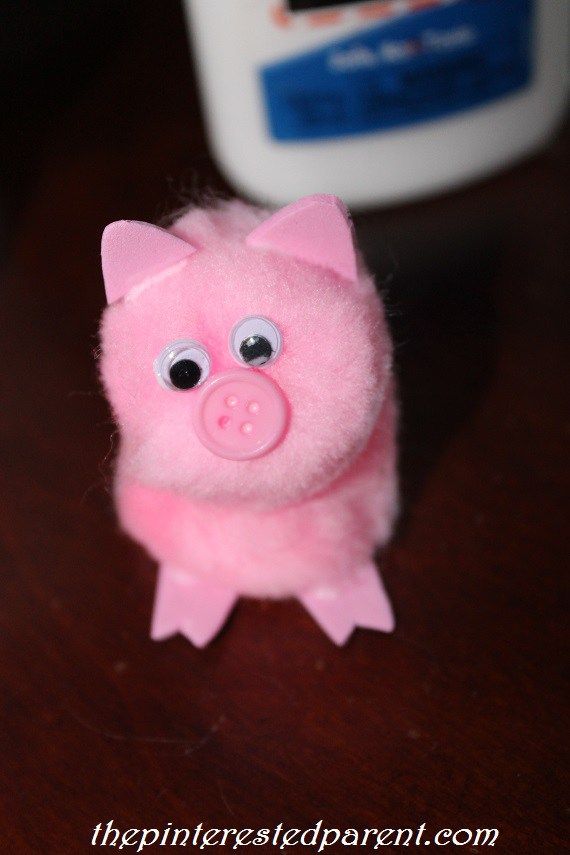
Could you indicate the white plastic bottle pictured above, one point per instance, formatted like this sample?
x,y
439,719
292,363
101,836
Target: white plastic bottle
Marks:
x,y
377,101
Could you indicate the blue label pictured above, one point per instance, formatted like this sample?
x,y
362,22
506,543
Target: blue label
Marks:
x,y
418,67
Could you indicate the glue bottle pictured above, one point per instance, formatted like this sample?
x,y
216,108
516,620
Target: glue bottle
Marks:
x,y
379,101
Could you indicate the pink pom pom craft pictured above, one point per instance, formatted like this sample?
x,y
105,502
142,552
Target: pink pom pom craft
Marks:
x,y
248,363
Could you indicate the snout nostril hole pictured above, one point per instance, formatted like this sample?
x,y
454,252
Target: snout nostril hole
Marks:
x,y
253,407
231,401
223,422
246,427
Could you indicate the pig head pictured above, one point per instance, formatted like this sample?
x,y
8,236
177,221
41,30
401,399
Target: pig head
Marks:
x,y
245,356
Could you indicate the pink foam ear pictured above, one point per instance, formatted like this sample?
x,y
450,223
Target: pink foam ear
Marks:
x,y
315,229
132,251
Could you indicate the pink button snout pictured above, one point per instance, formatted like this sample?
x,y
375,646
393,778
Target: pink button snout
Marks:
x,y
240,415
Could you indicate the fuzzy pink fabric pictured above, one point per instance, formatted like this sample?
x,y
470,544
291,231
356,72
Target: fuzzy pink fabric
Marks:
x,y
314,508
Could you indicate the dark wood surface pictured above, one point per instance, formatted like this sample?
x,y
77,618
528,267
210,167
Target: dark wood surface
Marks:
x,y
456,720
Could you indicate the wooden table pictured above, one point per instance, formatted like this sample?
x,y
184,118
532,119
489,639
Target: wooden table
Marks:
x,y
456,719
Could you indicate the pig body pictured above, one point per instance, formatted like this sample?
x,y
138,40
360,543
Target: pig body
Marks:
x,y
248,363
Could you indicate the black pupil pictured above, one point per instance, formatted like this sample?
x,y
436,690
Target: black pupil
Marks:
x,y
255,350
185,374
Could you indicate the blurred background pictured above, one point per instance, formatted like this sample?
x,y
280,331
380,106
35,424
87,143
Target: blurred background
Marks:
x,y
102,120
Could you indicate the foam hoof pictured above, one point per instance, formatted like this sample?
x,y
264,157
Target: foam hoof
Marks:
x,y
362,601
190,606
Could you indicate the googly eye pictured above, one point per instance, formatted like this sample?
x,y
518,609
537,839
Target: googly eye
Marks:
x,y
255,341
182,365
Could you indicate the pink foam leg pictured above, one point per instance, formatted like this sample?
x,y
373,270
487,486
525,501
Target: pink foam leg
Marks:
x,y
190,606
362,601
327,608
371,607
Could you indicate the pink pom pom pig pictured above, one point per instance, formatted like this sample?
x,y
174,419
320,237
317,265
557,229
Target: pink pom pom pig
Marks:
x,y
248,364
